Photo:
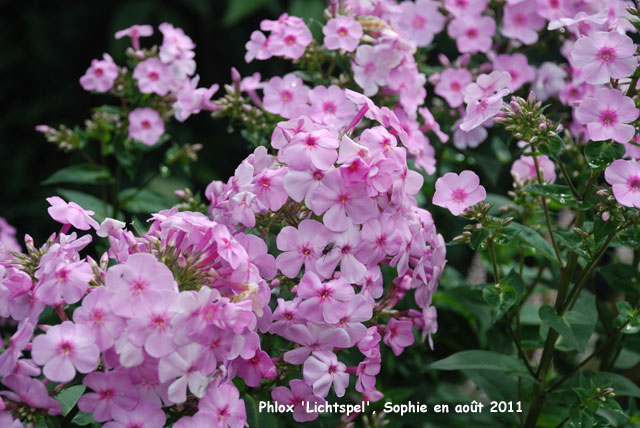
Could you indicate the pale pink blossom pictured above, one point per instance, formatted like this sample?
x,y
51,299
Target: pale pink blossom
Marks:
x,y
299,395
71,213
522,22
330,107
101,75
451,84
549,80
134,33
342,32
421,20
607,115
372,65
223,406
466,7
257,47
286,96
458,192
524,169
604,56
472,33
624,178
518,68
146,125
323,370
153,76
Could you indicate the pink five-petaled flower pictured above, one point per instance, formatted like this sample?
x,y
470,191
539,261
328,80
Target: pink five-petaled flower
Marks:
x,y
100,75
65,348
399,335
607,115
134,33
150,325
257,47
313,337
146,125
68,282
223,405
330,107
153,76
472,33
465,7
342,32
33,392
420,20
286,96
452,82
298,396
96,313
372,65
321,370
604,56
522,22
301,245
182,369
146,415
624,178
344,253
524,169
317,148
71,213
335,200
458,192
112,389
479,111
326,301
518,67
259,366
17,343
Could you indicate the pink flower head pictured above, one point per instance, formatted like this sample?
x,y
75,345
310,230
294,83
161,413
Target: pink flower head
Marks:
x,y
181,368
607,115
146,125
605,56
549,80
17,343
554,9
150,326
524,169
451,84
153,76
458,192
254,369
472,33
65,348
71,213
322,370
343,253
522,22
421,20
326,301
302,245
399,335
372,65
479,111
286,96
222,404
342,32
299,395
100,75
146,415
24,389
329,106
111,390
134,33
289,37
517,67
96,314
465,7
257,47
66,283
315,149
624,178
313,337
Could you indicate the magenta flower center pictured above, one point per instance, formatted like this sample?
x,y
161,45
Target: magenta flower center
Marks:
x,y
343,32
153,76
310,142
472,33
325,293
343,199
286,96
607,54
369,68
98,72
62,275
332,369
459,195
514,74
455,86
65,348
520,19
418,22
96,316
106,394
138,286
554,4
634,183
145,124
159,322
290,40
608,118
461,3
329,107
318,175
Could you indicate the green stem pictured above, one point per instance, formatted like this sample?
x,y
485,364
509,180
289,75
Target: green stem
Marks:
x,y
546,215
565,174
492,255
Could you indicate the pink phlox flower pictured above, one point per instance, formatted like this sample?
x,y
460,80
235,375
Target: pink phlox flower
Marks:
x,y
524,169
607,115
549,80
340,204
243,207
146,125
134,33
254,369
303,245
153,76
66,282
421,20
323,370
458,192
632,148
14,284
257,47
286,130
145,415
101,75
583,24
342,32
344,252
222,404
311,149
192,100
624,178
111,390
330,107
451,84
269,188
96,314
409,84
465,7
522,22
372,283
65,348
182,368
378,140
8,242
472,33
604,56
366,372
150,325
300,185
300,396
258,254
286,96
17,343
313,337
398,335
24,389
360,309
177,50
378,239
487,85
289,38
517,67
479,111
367,108
428,323
326,301
554,9
372,64
369,345
71,213
285,315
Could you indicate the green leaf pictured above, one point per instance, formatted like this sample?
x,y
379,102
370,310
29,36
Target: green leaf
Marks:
x,y
83,419
558,193
531,238
84,173
574,326
238,10
143,201
622,277
68,398
88,202
503,296
600,154
255,418
480,360
602,229
478,237
572,242
552,148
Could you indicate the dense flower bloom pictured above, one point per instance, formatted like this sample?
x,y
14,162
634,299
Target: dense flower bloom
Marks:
x,y
303,245
222,404
458,192
64,349
604,56
145,415
342,32
153,76
322,370
289,36
112,390
421,20
522,22
71,213
624,178
286,96
607,115
100,75
330,107
146,125
326,301
472,33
